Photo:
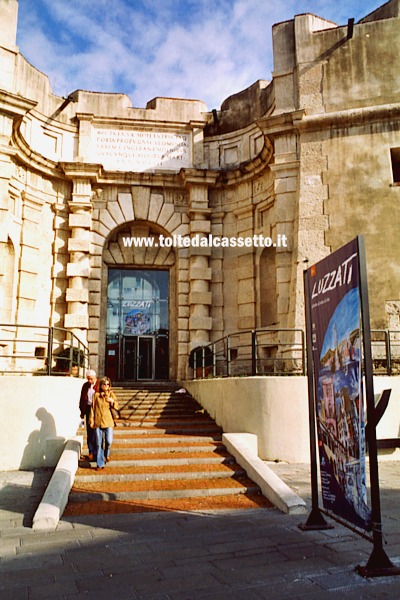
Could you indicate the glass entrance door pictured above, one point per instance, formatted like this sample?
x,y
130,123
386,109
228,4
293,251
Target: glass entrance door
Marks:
x,y
138,358
145,362
137,345
129,356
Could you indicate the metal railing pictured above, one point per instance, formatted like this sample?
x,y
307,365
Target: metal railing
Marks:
x,y
385,351
41,350
264,351
280,352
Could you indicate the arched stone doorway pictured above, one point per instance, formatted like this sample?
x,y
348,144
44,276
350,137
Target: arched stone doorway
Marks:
x,y
138,325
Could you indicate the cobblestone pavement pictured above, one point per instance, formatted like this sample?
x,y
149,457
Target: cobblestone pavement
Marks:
x,y
247,554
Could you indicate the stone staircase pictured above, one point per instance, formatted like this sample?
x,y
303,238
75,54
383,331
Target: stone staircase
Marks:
x,y
167,454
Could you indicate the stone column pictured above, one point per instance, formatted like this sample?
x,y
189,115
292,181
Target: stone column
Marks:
x,y
78,268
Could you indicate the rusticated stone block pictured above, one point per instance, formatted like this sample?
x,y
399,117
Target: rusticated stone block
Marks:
x,y
83,220
73,295
200,298
76,321
200,273
200,323
78,269
78,245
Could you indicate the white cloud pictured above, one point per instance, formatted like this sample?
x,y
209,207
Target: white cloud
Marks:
x,y
199,49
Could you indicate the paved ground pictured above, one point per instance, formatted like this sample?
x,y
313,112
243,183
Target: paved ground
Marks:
x,y
250,554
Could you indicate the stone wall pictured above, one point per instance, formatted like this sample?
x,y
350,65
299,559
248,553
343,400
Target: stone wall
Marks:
x,y
305,157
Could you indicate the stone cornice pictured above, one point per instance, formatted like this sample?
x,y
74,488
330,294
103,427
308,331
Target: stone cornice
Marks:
x,y
15,105
281,123
32,159
198,177
81,170
246,170
349,118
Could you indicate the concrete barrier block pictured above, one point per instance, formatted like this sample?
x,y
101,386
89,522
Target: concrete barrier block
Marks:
x,y
55,497
273,488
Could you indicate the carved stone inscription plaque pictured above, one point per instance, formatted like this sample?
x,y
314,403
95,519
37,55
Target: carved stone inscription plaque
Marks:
x,y
127,150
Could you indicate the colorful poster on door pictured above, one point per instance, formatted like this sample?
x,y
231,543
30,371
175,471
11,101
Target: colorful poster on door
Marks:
x,y
335,308
137,322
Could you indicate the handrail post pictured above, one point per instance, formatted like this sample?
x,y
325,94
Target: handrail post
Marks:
x,y
303,351
253,353
388,353
71,352
50,350
203,355
228,356
214,359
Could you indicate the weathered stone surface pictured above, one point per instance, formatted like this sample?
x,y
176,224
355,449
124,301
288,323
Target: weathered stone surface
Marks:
x,y
286,158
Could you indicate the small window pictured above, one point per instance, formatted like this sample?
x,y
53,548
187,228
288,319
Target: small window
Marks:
x,y
395,156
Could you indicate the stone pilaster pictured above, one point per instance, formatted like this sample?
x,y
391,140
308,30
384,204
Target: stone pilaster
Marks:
x,y
11,108
289,263
217,278
78,267
246,292
200,273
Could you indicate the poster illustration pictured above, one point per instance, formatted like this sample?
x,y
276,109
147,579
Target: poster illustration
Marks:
x,y
335,309
137,322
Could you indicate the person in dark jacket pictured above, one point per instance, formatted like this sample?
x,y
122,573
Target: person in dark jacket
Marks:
x,y
89,388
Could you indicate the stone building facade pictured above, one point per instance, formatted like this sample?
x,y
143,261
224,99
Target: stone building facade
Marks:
x,y
309,159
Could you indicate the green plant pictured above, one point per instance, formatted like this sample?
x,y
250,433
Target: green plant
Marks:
x,y
198,353
63,359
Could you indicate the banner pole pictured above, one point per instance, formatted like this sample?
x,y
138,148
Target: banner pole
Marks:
x,y
378,563
315,519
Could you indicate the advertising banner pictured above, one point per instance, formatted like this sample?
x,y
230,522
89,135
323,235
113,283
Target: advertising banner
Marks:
x,y
335,309
137,322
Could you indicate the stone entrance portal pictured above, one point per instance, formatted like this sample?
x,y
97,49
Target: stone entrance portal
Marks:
x,y
137,333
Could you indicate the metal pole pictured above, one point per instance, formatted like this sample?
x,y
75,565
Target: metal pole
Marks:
x,y
228,364
50,350
315,519
253,353
388,353
214,358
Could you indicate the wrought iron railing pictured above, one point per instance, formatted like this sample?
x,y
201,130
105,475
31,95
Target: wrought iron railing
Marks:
x,y
385,351
280,352
264,351
41,350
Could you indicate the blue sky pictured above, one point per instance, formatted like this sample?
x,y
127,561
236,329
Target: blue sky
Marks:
x,y
200,49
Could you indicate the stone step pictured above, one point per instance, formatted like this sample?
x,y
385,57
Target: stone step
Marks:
x,y
168,422
167,454
173,402
164,492
125,437
213,448
164,475
166,460
230,501
182,409
124,428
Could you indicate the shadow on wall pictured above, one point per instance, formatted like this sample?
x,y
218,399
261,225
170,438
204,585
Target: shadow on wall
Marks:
x,y
41,441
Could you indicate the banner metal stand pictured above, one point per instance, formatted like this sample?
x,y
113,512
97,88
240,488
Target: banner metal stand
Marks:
x,y
316,520
378,564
